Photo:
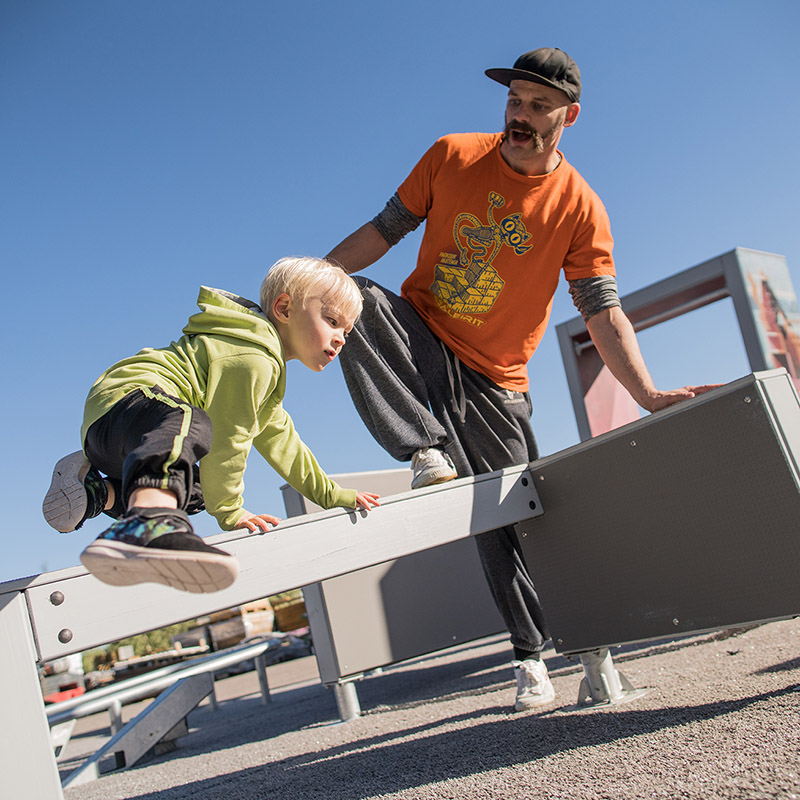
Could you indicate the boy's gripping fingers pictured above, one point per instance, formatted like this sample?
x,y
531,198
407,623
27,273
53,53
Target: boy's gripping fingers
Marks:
x,y
367,500
257,522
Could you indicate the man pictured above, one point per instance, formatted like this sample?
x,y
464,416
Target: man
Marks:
x,y
439,375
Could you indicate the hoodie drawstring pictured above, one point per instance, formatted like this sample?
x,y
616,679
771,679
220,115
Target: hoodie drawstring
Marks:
x,y
458,400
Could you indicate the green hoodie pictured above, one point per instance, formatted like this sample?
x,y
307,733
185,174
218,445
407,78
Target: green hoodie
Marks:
x,y
229,362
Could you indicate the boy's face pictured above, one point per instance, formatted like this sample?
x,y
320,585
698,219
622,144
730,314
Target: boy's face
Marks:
x,y
314,333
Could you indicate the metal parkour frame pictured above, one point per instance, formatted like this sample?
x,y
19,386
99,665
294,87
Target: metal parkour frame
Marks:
x,y
624,542
55,614
766,309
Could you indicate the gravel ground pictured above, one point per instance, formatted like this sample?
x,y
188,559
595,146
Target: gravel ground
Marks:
x,y
720,721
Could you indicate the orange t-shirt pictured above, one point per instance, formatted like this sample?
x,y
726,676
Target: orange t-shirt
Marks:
x,y
495,243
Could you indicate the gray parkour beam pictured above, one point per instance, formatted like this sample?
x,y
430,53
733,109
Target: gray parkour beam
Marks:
x,y
73,611
684,521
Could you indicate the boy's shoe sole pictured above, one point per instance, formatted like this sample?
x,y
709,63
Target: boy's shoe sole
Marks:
x,y
120,564
64,504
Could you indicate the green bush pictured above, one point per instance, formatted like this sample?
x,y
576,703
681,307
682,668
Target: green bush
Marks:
x,y
144,644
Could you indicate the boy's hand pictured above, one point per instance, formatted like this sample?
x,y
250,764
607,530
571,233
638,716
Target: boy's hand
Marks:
x,y
367,500
257,522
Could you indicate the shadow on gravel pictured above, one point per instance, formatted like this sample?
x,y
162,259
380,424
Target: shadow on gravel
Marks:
x,y
784,666
414,757
243,719
247,720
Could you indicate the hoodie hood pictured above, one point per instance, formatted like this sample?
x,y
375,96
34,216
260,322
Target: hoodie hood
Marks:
x,y
226,328
225,314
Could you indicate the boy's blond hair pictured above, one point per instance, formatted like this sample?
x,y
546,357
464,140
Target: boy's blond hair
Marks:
x,y
302,277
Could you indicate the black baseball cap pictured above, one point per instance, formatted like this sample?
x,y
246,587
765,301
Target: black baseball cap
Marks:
x,y
548,66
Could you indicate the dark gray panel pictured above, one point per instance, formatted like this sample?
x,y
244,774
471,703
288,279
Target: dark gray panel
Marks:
x,y
408,607
684,521
401,609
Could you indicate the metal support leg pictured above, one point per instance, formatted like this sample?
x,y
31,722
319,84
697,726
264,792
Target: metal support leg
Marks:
x,y
263,683
115,717
27,763
212,697
603,684
347,700
168,742
60,736
150,726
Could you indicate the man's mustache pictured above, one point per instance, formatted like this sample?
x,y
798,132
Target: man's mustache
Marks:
x,y
523,127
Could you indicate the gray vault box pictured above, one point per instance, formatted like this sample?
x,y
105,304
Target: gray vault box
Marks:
x,y
400,609
687,520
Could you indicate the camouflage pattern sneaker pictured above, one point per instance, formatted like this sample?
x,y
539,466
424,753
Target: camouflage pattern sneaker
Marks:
x,y
158,545
77,492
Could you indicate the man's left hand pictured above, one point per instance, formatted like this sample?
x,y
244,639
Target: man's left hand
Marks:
x,y
659,399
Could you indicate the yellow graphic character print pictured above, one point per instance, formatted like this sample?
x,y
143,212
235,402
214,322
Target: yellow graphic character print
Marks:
x,y
471,285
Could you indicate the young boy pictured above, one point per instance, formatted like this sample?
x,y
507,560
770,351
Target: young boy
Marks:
x,y
148,421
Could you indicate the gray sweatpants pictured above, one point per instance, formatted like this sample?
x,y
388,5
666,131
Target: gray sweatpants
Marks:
x,y
411,392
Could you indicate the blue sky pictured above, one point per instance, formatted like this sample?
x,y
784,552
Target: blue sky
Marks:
x,y
148,147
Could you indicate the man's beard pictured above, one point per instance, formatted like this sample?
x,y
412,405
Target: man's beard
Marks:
x,y
538,140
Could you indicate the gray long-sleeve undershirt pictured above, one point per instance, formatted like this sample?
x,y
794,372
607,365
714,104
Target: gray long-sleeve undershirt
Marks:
x,y
590,295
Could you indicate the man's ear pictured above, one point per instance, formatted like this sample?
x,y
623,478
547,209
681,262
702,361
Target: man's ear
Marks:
x,y
281,307
572,114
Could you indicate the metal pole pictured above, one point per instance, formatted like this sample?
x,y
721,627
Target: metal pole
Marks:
x,y
603,684
26,755
347,700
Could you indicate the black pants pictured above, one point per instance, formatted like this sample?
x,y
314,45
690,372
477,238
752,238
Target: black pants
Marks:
x,y
151,439
412,392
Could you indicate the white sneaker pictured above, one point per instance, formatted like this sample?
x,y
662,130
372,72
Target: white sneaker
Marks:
x,y
77,492
534,688
431,466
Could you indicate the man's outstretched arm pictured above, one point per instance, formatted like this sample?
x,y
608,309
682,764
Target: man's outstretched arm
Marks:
x,y
615,339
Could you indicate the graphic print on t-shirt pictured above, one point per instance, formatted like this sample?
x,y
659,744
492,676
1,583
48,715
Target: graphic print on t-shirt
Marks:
x,y
468,283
